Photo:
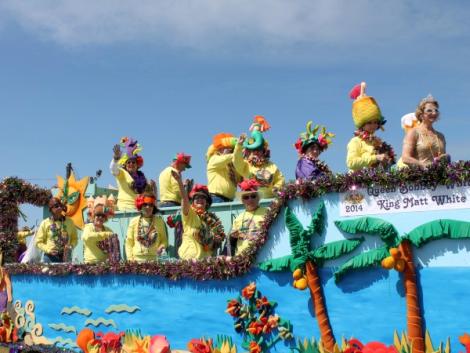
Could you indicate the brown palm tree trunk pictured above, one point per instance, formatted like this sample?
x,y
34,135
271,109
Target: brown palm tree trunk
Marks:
x,y
414,317
321,313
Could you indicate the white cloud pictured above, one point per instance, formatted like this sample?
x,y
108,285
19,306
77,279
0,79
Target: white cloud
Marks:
x,y
275,26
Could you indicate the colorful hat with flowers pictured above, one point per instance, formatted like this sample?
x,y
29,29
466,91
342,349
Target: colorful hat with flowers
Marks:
x,y
183,159
365,109
318,135
201,190
256,140
130,150
101,204
221,141
249,186
147,197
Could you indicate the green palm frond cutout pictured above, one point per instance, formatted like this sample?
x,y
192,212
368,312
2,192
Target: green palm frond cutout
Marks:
x,y
439,229
317,225
334,249
299,237
282,264
373,226
367,259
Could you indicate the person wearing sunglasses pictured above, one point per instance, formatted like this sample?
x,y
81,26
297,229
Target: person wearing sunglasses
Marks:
x,y
56,235
423,145
203,232
246,226
125,167
365,149
96,232
147,236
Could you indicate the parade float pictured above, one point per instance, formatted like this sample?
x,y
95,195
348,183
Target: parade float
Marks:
x,y
366,261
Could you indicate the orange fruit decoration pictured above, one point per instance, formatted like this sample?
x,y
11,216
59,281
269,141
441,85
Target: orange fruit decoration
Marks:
x,y
400,265
297,274
395,253
83,337
388,263
301,283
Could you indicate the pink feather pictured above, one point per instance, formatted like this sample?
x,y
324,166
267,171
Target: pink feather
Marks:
x,y
355,92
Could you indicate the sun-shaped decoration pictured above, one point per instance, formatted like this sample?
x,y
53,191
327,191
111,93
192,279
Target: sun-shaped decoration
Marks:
x,y
72,193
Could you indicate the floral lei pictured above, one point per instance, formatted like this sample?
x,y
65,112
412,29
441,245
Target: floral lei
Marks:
x,y
214,233
147,238
58,238
380,146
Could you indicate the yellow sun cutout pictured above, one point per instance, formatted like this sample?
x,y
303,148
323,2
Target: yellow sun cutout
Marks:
x,y
72,193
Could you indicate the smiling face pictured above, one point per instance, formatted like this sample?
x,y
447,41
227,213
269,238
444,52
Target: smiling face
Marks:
x,y
147,210
371,126
430,113
200,202
250,201
99,219
56,210
312,151
131,165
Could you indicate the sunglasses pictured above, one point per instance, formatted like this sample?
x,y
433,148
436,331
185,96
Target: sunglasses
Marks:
x,y
147,205
429,111
57,205
100,215
131,162
251,196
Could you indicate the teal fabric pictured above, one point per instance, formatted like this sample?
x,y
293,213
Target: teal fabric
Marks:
x,y
439,229
372,226
367,259
334,249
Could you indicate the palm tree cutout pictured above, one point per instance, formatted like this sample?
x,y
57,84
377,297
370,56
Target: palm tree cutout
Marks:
x,y
397,253
305,259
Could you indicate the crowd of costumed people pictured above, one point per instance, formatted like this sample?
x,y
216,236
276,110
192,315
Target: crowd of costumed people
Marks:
x,y
232,162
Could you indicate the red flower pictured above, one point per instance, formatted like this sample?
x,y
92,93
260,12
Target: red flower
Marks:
x,y
355,346
249,290
262,303
254,347
233,308
200,346
256,327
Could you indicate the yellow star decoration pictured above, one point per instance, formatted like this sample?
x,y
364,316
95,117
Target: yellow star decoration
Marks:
x,y
72,193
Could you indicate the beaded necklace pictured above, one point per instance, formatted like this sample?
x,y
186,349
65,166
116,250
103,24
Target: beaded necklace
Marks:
x,y
211,231
59,234
146,237
380,147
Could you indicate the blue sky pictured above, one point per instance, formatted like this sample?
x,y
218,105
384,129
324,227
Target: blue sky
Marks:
x,y
78,75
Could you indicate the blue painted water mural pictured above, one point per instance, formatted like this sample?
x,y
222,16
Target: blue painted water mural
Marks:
x,y
368,305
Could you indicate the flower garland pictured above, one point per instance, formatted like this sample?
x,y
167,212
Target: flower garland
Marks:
x,y
221,267
381,147
212,232
146,237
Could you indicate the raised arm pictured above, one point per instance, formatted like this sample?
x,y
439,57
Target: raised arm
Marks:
x,y
184,195
241,166
114,165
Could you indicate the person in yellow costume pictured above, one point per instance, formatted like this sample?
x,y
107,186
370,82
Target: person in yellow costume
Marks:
x,y
147,236
125,168
170,195
222,178
365,150
251,159
95,232
56,235
246,227
203,232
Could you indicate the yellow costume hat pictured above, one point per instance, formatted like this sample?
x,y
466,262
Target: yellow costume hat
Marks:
x,y
365,109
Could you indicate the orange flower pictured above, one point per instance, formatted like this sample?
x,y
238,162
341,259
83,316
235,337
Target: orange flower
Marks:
x,y
254,347
273,320
465,339
256,327
233,308
262,303
249,290
200,346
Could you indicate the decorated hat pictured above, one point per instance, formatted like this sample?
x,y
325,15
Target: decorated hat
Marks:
x,y
200,189
249,186
220,141
318,136
130,150
409,121
256,140
101,204
183,158
146,197
365,109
